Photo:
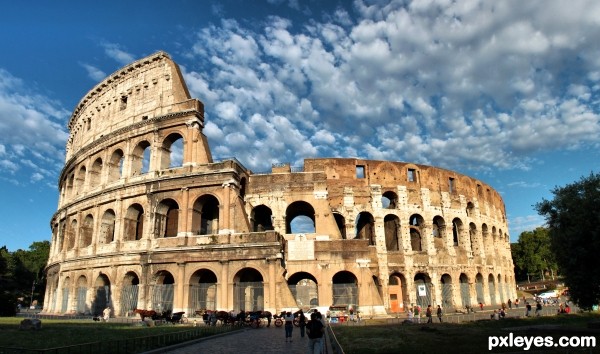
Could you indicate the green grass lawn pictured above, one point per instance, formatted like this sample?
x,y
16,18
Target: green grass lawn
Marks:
x,y
466,337
59,333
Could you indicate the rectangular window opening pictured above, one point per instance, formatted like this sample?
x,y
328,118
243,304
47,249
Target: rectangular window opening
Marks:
x,y
451,186
123,103
412,175
360,171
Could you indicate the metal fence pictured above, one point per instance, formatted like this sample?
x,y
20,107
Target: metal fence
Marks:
x,y
127,346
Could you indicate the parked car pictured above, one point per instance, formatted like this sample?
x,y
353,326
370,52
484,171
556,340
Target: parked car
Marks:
x,y
547,295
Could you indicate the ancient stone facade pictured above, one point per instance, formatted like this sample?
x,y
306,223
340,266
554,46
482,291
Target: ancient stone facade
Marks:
x,y
146,219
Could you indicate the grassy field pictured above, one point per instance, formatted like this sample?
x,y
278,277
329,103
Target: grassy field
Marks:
x,y
466,337
59,333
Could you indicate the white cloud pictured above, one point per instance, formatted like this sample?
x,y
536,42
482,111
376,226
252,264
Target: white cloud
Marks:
x,y
93,72
115,52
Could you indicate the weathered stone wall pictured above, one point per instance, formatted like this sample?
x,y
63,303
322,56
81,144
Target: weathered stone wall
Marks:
x,y
141,224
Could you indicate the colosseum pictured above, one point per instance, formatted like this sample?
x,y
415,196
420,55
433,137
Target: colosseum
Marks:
x,y
148,219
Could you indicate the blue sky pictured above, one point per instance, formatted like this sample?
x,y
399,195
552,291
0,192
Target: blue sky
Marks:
x,y
506,91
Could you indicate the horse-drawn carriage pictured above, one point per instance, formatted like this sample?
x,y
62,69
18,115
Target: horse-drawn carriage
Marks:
x,y
253,319
165,316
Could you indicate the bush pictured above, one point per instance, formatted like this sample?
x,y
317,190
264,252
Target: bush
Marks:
x,y
8,305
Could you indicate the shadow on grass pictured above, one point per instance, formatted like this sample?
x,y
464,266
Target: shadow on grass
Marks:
x,y
466,337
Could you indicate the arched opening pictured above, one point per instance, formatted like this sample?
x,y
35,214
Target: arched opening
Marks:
x,y
365,227
465,294
71,185
470,209
167,218
438,226
115,165
456,230
203,291
391,225
140,158
479,288
472,235
129,294
205,215
492,289
248,290
102,295
72,234
81,179
95,174
416,225
262,218
345,289
82,289
134,222
389,200
447,292
300,218
162,292
65,295
397,292
423,288
107,227
172,152
340,221
87,231
304,289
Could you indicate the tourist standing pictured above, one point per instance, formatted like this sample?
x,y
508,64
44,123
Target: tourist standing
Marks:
x,y
439,313
301,323
314,329
429,314
289,325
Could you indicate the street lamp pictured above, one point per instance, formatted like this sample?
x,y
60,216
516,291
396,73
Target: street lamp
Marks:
x,y
31,298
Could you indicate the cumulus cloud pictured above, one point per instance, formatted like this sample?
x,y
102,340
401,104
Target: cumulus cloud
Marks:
x,y
31,125
93,72
467,84
115,52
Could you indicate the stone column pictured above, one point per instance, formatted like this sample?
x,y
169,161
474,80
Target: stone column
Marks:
x,y
180,285
225,301
184,219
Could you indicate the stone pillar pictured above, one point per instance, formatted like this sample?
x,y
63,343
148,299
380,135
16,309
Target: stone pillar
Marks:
x,y
184,219
224,222
180,285
270,302
225,300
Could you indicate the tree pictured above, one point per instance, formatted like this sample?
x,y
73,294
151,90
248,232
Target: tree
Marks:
x,y
573,220
532,254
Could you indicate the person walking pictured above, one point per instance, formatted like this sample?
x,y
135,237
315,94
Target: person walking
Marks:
x,y
301,323
314,329
106,314
439,313
538,309
429,314
289,325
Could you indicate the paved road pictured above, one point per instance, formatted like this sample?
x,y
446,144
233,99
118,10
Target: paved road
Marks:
x,y
261,340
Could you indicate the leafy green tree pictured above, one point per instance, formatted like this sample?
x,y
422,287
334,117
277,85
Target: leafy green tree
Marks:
x,y
533,255
573,219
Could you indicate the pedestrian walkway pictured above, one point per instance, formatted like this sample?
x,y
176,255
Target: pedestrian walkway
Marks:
x,y
250,340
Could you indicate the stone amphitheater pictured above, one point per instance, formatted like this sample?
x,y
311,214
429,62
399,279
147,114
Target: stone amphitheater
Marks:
x,y
147,219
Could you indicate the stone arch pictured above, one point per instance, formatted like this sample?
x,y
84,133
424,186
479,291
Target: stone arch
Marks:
x,y
457,227
340,221
172,151
365,227
129,293
102,294
391,224
470,209
423,288
66,289
134,222
479,288
398,294
492,289
205,215
465,292
95,174
345,288
261,218
82,290
304,288
167,218
389,200
203,290
163,291
80,179
87,231
248,290
447,293
438,225
140,158
416,227
472,235
300,218
72,235
115,165
107,227
71,185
